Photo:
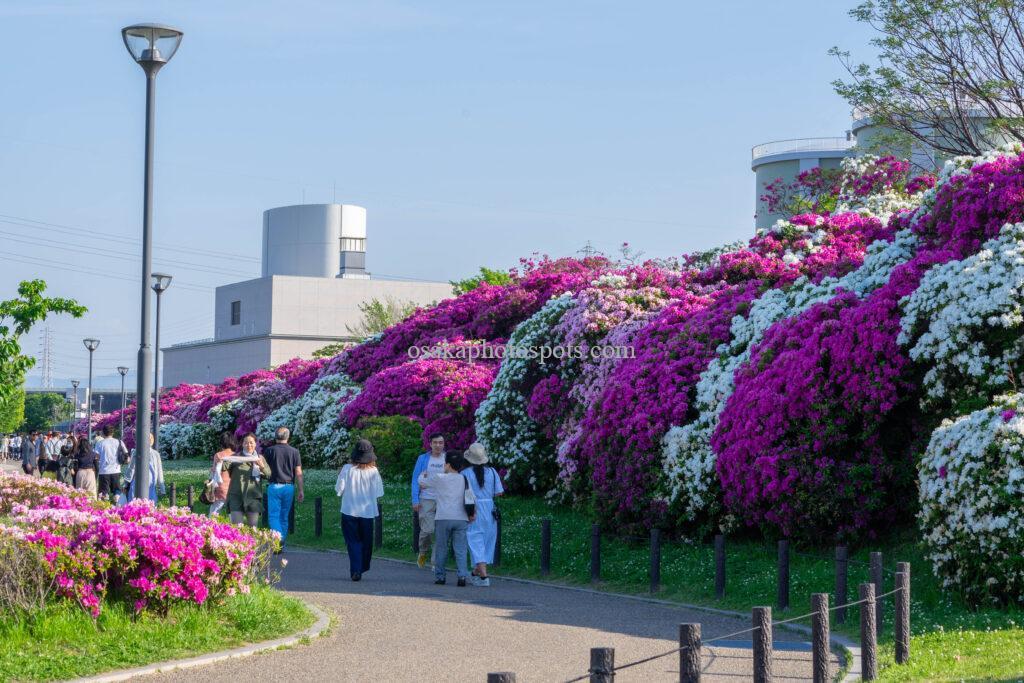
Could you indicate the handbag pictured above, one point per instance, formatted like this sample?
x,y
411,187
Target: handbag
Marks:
x,y
207,495
495,510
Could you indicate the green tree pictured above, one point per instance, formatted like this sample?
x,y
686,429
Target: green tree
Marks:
x,y
486,276
379,315
17,316
12,412
42,411
949,73
331,350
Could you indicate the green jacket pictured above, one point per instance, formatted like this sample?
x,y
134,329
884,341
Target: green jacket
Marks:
x,y
242,483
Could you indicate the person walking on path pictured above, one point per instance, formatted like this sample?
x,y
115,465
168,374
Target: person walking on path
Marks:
x,y
219,475
5,447
482,533
455,510
424,502
245,492
359,485
67,464
16,447
156,474
86,462
29,455
112,454
285,481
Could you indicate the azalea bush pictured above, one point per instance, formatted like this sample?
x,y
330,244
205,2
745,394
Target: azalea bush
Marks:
x,y
188,440
149,557
972,502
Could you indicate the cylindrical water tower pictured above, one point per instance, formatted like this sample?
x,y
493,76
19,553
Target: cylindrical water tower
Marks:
x,y
315,240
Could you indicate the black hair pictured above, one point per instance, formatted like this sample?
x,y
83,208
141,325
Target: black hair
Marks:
x,y
108,430
82,446
455,459
435,435
229,440
478,470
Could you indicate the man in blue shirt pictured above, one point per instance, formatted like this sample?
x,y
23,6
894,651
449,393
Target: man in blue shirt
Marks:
x,y
425,502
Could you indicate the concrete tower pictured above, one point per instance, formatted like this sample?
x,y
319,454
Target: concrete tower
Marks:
x,y
315,240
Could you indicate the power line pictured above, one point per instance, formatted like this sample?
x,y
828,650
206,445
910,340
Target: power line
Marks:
x,y
39,261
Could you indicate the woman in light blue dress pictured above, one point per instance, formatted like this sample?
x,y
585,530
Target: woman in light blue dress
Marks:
x,y
482,533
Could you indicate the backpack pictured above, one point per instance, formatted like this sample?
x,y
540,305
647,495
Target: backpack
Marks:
x,y
122,453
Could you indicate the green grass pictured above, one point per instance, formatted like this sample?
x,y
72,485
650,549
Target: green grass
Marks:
x,y
950,641
62,641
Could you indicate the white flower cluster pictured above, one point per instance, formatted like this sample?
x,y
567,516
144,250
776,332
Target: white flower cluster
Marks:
x,y
224,416
965,318
502,424
881,205
313,420
188,440
688,460
972,502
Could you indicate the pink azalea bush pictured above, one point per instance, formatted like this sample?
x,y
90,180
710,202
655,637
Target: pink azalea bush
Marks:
x,y
152,558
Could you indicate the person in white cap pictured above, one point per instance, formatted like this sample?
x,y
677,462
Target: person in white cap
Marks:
x,y
482,534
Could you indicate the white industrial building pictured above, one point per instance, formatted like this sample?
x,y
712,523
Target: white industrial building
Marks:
x,y
313,280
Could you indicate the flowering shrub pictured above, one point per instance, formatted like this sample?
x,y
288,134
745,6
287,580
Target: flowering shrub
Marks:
x,y
972,502
149,557
184,440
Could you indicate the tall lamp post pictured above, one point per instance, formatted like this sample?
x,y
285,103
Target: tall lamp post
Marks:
x,y
151,46
74,406
92,345
122,370
161,281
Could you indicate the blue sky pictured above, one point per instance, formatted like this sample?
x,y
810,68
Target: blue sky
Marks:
x,y
474,133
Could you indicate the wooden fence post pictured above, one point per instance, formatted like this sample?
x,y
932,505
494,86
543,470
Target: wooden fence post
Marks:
x,y
497,545
655,560
595,553
720,566
191,496
689,653
318,517
868,635
173,494
878,578
415,531
842,568
602,664
501,677
762,621
821,655
378,527
545,547
783,592
902,626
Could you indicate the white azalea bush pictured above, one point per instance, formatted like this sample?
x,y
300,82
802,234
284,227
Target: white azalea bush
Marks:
x,y
688,459
188,440
972,502
965,322
510,435
224,417
313,421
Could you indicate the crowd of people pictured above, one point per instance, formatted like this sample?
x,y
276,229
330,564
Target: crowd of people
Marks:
x,y
453,492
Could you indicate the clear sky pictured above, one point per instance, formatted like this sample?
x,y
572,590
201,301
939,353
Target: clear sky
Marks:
x,y
473,133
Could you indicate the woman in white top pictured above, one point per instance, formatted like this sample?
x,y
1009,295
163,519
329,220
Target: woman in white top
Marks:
x,y
156,474
359,485
482,533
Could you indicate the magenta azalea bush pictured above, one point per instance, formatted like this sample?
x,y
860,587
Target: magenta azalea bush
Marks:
x,y
152,558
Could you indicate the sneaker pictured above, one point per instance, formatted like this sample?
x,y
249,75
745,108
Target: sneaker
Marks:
x,y
421,560
357,577
482,581
462,582
439,582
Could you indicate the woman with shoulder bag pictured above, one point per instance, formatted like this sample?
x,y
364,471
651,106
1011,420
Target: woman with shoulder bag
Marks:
x,y
245,492
482,534
87,462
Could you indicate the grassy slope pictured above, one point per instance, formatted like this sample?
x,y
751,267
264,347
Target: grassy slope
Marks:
x,y
63,642
950,641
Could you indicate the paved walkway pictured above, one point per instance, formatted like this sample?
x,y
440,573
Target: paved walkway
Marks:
x,y
396,625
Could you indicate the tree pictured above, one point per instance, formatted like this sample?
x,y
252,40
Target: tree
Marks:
x,y
42,411
486,276
950,73
12,412
380,314
17,316
331,350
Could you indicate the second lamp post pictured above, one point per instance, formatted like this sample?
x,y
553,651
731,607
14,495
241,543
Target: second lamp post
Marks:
x,y
161,281
92,345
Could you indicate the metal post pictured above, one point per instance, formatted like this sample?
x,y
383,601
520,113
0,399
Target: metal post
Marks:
x,y
602,665
497,544
720,566
501,677
415,531
378,527
762,621
173,495
156,379
842,567
902,626
655,560
868,636
120,434
142,389
689,653
318,517
595,553
878,579
89,405
821,655
190,492
783,592
545,547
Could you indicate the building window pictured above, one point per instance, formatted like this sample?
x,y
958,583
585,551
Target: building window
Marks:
x,y
353,244
236,312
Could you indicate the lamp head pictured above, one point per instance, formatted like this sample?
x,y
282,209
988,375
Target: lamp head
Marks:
x,y
151,45
75,384
91,344
123,370
161,281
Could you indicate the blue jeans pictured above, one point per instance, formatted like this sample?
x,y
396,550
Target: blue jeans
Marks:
x,y
279,505
454,531
358,533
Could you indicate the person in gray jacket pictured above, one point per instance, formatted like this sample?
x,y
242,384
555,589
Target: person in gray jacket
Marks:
x,y
30,455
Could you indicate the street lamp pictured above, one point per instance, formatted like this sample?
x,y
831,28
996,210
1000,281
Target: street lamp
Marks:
x,y
161,281
123,371
92,345
74,411
151,46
